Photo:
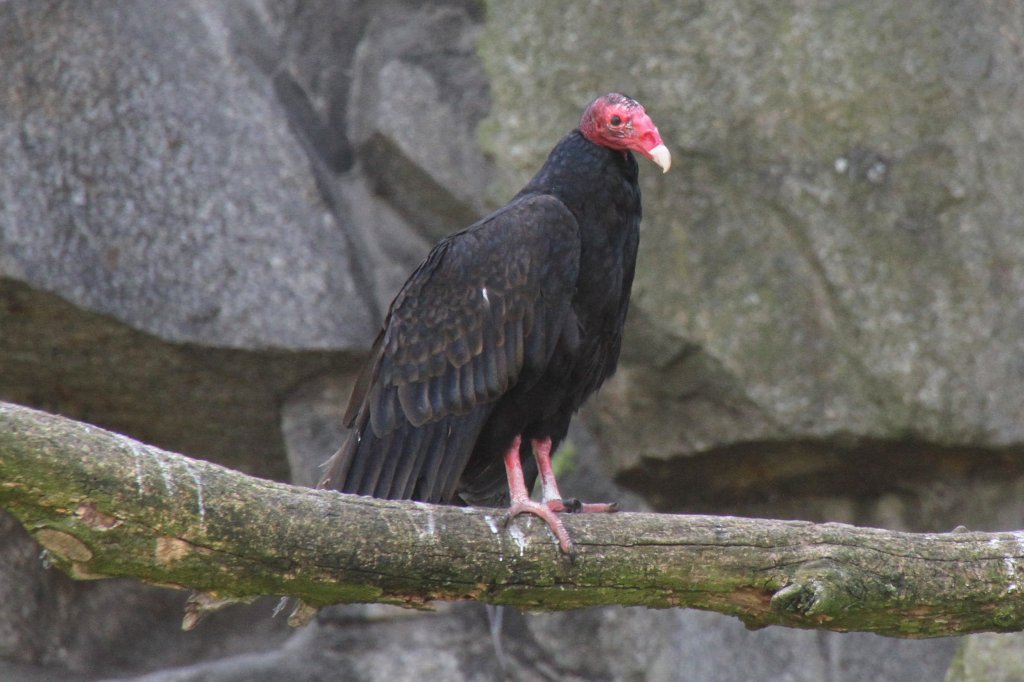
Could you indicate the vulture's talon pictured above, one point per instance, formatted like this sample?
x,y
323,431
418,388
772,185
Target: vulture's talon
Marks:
x,y
547,515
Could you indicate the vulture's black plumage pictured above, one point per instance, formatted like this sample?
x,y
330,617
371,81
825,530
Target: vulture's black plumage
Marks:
x,y
500,335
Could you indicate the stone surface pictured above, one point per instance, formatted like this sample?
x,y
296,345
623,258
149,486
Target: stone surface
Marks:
x,y
162,185
205,209
56,628
216,403
311,424
835,260
988,658
437,647
414,110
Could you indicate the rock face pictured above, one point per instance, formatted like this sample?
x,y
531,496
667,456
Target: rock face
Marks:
x,y
163,186
836,267
205,209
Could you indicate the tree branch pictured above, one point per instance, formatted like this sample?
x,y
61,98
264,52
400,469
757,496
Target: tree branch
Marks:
x,y
104,506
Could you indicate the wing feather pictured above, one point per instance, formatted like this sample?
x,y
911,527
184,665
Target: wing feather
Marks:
x,y
468,380
411,464
479,315
537,344
406,447
514,341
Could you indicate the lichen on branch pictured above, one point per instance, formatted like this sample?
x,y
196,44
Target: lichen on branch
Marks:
x,y
103,505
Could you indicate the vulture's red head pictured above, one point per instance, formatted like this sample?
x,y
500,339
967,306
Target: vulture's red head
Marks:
x,y
619,122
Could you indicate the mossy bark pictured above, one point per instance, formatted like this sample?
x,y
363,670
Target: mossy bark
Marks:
x,y
104,505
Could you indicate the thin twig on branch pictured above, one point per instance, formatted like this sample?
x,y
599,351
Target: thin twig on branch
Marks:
x,y
104,505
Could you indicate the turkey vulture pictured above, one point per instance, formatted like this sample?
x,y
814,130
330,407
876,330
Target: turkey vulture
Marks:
x,y
499,336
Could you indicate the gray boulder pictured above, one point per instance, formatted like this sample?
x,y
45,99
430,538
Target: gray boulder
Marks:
x,y
162,185
832,266
988,658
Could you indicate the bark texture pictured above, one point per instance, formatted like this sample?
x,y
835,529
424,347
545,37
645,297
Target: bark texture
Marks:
x,y
103,505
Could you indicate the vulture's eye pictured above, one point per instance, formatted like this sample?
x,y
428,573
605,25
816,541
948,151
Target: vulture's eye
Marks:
x,y
616,120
